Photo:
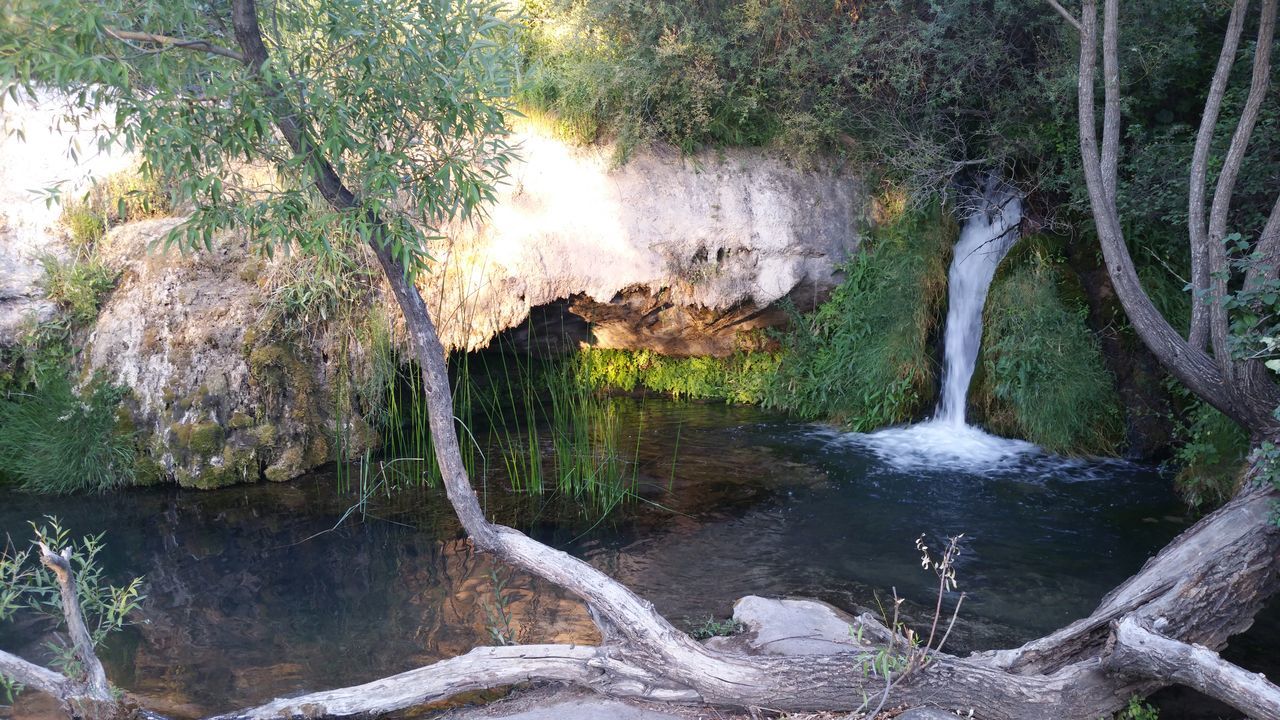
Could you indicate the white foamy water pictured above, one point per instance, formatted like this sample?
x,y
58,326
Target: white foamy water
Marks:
x,y
987,235
946,440
947,444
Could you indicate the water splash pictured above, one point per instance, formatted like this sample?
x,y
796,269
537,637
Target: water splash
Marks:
x,y
946,440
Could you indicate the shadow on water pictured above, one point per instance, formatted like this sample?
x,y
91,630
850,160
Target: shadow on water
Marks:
x,y
252,592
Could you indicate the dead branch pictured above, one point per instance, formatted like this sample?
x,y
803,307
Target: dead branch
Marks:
x,y
95,676
1140,652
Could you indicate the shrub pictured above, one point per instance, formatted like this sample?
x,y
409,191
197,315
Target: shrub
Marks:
x,y
77,286
1044,378
1210,452
863,357
56,440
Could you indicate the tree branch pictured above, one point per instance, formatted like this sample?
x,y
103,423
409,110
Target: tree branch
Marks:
x,y
481,669
95,676
34,676
1219,270
168,41
1198,334
1139,652
1066,15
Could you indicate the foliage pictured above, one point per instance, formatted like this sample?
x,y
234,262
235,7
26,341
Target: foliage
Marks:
x,y
1043,374
1138,710
711,627
905,83
29,586
77,286
863,357
405,101
1210,450
743,377
553,433
119,198
313,291
1265,464
58,440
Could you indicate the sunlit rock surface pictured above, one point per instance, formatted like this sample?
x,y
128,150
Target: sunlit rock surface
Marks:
x,y
36,160
674,253
679,254
218,398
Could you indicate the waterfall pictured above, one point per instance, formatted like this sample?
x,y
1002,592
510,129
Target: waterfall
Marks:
x,y
946,441
987,235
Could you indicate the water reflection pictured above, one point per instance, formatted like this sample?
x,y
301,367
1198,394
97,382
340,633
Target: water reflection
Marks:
x,y
253,592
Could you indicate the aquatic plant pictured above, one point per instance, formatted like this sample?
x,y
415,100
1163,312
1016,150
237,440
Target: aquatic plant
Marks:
x,y
552,432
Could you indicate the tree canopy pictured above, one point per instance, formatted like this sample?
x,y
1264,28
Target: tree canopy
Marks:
x,y
406,101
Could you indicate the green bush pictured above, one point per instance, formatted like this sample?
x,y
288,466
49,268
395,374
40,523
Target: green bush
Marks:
x,y
743,377
904,84
1210,452
55,440
1044,378
77,286
863,358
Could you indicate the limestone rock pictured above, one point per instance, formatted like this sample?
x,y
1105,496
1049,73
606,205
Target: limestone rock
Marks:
x,y
678,254
28,225
795,627
221,401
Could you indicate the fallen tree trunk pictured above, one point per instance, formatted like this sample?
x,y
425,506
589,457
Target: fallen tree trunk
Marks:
x,y
1141,653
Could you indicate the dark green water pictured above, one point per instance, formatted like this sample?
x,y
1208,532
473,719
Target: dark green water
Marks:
x,y
258,591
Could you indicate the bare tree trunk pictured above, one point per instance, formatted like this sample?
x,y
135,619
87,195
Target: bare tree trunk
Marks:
x,y
1242,393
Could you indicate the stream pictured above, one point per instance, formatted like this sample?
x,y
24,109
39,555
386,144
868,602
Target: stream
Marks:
x,y
261,590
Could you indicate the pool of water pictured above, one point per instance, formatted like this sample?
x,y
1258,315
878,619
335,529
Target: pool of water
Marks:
x,y
262,590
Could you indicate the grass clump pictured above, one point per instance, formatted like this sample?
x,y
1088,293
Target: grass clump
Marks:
x,y
77,286
863,357
57,440
1044,378
1210,453
744,377
123,197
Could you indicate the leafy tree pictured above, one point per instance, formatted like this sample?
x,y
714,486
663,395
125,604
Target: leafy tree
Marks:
x,y
1234,280
338,121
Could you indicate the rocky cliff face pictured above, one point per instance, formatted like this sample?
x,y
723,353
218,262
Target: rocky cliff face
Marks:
x,y
222,394
677,254
28,230
665,252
